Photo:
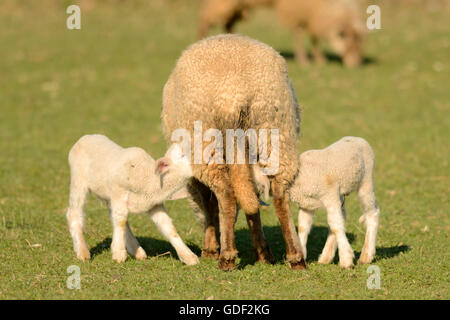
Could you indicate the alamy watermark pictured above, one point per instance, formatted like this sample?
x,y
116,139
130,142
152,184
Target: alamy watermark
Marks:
x,y
74,20
374,20
257,142
374,280
74,280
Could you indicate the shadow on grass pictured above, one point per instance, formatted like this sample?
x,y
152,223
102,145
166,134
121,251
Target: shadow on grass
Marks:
x,y
386,252
153,247
331,57
316,242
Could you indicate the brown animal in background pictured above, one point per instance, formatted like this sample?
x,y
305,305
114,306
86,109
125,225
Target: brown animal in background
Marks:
x,y
234,82
225,13
337,22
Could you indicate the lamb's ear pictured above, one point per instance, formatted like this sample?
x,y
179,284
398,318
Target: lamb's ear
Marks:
x,y
162,165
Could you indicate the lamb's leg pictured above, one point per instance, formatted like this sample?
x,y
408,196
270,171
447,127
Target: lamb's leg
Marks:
x,y
294,253
133,246
159,216
305,221
119,217
260,245
371,218
329,250
75,217
300,53
336,222
205,206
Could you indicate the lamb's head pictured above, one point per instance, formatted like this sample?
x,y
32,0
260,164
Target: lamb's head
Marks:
x,y
175,162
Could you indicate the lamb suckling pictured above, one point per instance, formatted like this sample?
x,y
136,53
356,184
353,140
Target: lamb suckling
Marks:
x,y
130,181
325,177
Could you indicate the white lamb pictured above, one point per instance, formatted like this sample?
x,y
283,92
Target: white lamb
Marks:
x,y
131,182
325,177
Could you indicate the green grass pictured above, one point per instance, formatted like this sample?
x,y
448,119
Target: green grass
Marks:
x,y
56,85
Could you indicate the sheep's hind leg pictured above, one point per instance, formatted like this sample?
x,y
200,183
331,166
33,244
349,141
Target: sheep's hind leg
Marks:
x,y
329,250
205,206
75,218
133,246
227,219
371,219
336,222
119,217
294,253
317,53
300,53
165,226
305,220
260,245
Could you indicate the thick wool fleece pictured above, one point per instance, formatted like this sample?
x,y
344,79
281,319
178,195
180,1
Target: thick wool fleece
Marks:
x,y
231,82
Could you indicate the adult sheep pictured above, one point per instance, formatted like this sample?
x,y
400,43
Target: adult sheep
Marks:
x,y
234,82
337,22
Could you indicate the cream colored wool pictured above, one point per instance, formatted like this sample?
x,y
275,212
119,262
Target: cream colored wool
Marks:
x,y
325,177
126,179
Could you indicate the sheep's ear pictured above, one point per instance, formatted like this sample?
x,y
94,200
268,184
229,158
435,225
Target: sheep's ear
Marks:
x,y
162,166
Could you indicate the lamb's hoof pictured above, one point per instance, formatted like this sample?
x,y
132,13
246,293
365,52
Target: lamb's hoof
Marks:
x,y
226,265
299,265
190,260
140,254
120,256
346,264
265,256
323,259
212,254
365,258
84,255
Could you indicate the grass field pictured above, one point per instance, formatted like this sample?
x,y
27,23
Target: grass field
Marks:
x,y
57,84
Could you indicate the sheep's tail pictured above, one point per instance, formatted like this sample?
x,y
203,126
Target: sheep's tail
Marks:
x,y
244,190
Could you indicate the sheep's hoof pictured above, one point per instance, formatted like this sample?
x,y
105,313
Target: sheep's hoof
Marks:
x,y
140,254
212,254
325,259
300,265
227,265
84,255
120,256
190,260
365,259
346,265
265,256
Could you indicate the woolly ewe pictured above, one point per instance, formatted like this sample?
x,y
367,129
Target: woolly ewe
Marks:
x,y
234,82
